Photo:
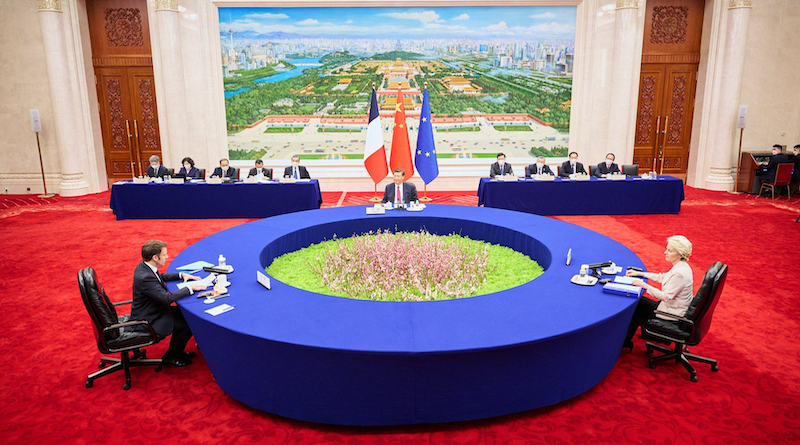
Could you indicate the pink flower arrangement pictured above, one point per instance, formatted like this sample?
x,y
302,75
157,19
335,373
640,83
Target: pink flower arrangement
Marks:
x,y
405,266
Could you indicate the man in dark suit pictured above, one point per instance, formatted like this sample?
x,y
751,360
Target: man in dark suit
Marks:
x,y
267,172
572,166
539,168
796,159
399,188
296,170
608,167
500,168
224,171
156,170
769,171
153,302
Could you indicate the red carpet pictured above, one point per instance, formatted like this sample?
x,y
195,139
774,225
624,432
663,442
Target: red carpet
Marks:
x,y
48,347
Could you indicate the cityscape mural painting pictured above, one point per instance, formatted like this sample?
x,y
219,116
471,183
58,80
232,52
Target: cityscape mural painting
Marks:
x,y
298,80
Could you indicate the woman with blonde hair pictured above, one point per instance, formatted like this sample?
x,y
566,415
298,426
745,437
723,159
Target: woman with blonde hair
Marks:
x,y
675,294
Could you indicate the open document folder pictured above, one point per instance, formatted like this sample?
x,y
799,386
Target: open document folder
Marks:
x,y
207,281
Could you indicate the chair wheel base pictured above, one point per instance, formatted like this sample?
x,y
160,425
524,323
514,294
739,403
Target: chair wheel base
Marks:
x,y
715,368
127,386
89,383
693,378
652,365
159,368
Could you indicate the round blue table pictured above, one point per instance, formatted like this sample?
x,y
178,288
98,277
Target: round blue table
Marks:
x,y
334,360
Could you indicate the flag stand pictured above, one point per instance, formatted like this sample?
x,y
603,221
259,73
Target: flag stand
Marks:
x,y
375,197
425,197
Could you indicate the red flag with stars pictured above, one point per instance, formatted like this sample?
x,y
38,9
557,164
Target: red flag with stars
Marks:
x,y
401,148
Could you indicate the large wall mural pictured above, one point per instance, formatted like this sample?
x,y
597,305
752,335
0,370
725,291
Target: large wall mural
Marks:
x,y
299,80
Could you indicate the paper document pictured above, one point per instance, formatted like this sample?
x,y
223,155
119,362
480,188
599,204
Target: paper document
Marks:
x,y
205,281
625,280
221,309
194,267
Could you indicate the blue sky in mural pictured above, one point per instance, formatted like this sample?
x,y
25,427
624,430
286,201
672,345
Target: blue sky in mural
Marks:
x,y
534,22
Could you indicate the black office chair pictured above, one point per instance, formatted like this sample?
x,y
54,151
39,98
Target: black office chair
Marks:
x,y
114,333
630,170
690,329
202,173
170,172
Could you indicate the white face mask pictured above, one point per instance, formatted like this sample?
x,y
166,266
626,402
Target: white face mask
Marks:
x,y
796,152
540,164
295,164
155,167
501,162
187,166
608,162
573,161
774,152
225,168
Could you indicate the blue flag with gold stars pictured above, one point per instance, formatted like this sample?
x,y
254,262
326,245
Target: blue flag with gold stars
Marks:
x,y
425,155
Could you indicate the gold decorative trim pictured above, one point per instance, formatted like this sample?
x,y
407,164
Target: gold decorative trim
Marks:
x,y
50,5
733,4
626,4
167,5
670,58
123,61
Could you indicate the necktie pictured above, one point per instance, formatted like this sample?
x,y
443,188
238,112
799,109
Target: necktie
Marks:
x,y
502,169
295,173
540,171
397,195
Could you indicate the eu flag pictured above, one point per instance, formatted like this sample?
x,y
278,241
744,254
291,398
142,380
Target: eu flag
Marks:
x,y
425,155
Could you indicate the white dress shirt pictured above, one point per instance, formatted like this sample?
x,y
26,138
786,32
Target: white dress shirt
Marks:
x,y
155,271
676,288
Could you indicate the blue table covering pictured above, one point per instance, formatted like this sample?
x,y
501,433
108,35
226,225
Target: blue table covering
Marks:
x,y
633,196
335,360
201,200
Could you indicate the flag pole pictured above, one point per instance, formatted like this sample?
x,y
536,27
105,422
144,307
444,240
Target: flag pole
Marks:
x,y
375,196
425,196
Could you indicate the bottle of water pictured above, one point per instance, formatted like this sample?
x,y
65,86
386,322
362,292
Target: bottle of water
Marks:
x,y
222,261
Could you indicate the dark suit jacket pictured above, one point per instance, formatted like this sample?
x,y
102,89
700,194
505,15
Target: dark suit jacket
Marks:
x,y
157,174
232,173
601,169
409,193
267,172
772,166
566,169
151,300
193,173
532,170
302,170
495,170
796,174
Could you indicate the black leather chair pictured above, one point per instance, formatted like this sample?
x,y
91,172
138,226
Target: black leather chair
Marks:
x,y
690,329
202,173
630,170
114,333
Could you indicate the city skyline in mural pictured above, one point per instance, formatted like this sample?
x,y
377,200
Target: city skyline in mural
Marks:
x,y
298,80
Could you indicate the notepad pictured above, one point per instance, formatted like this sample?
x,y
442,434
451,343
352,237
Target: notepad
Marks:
x,y
221,309
197,266
624,280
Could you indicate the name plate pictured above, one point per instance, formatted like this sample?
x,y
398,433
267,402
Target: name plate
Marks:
x,y
287,180
583,178
141,180
509,178
617,177
251,180
176,180
376,210
546,178
214,180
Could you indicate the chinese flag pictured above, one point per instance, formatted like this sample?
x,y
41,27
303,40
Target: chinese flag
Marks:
x,y
401,149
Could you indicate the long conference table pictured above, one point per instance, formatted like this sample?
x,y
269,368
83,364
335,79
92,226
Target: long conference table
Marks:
x,y
633,196
201,200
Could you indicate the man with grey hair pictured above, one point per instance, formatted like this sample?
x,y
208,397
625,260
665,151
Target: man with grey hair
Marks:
x,y
539,168
224,171
156,170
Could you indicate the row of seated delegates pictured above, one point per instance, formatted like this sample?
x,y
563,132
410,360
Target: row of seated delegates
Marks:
x,y
770,169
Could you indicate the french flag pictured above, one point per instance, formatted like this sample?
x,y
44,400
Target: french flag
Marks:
x,y
374,151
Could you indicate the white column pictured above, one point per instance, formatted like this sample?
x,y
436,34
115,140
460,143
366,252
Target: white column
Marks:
x,y
65,108
174,100
722,148
625,81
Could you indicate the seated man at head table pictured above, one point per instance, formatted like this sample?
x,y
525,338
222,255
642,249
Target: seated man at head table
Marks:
x,y
153,302
224,171
156,170
572,166
296,170
607,167
500,168
539,168
260,169
769,169
189,170
398,189
795,157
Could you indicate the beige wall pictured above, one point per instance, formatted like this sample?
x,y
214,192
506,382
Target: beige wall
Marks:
x,y
23,85
771,81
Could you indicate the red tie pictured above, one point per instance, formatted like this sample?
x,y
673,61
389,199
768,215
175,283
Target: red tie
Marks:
x,y
397,195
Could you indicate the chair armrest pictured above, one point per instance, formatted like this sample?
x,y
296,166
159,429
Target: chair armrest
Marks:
x,y
120,303
125,325
672,317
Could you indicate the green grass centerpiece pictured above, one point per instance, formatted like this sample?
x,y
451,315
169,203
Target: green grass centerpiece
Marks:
x,y
404,266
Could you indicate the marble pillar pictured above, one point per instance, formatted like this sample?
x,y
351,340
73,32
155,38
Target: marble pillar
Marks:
x,y
625,82
65,106
723,147
174,100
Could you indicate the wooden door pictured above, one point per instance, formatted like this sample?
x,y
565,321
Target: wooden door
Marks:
x,y
667,85
122,59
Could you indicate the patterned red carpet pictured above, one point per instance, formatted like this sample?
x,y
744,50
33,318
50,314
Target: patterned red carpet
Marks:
x,y
49,348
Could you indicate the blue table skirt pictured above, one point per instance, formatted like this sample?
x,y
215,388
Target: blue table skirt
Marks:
x,y
201,200
335,360
633,196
